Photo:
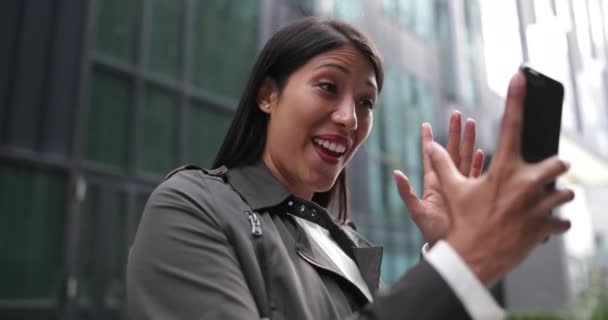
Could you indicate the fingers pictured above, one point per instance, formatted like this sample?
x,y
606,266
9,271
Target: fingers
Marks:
x,y
552,225
453,146
407,193
466,153
426,138
509,141
552,200
443,165
548,170
477,163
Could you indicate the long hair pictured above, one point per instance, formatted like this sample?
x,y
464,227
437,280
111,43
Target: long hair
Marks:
x,y
286,51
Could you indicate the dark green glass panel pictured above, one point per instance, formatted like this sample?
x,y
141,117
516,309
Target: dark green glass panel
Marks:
x,y
103,250
107,134
116,28
164,38
135,216
206,130
157,151
224,45
32,204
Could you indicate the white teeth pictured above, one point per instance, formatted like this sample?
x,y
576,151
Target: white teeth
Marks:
x,y
332,146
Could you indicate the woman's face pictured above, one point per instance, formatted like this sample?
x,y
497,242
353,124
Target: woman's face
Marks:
x,y
319,119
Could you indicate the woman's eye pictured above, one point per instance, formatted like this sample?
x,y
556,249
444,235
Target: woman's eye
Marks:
x,y
367,103
328,86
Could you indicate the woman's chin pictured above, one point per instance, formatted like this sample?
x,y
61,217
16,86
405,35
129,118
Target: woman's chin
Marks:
x,y
324,184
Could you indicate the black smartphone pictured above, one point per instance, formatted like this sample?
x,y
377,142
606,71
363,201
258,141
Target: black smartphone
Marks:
x,y
542,116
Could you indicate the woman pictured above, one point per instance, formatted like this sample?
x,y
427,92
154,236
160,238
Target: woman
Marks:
x,y
267,235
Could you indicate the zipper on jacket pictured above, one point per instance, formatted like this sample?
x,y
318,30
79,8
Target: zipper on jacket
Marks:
x,y
256,228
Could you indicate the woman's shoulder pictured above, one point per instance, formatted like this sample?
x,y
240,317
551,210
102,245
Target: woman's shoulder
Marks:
x,y
191,178
195,192
193,186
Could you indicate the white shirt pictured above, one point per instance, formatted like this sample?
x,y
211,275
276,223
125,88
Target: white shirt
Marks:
x,y
348,267
474,296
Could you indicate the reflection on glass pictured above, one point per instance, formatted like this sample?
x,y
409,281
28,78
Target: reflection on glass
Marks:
x,y
418,16
405,103
224,45
158,128
164,38
106,131
32,205
102,256
206,129
116,29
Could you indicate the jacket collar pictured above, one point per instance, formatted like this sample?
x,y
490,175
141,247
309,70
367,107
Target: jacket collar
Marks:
x,y
257,185
261,190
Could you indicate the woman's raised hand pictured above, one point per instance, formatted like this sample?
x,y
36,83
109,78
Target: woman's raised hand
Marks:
x,y
499,217
430,211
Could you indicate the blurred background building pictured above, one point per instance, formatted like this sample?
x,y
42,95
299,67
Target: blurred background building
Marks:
x,y
101,98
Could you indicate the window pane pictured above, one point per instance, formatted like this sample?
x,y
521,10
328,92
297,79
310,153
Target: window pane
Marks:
x,y
206,129
116,28
157,152
224,45
102,251
108,120
140,203
32,204
164,38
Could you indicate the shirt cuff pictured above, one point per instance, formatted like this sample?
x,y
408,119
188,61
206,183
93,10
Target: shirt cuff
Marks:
x,y
474,296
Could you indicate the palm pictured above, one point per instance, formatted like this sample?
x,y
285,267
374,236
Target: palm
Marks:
x,y
433,211
430,212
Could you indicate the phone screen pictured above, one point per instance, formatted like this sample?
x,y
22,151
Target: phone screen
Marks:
x,y
542,116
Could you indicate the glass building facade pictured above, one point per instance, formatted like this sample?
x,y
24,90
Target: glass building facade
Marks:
x,y
103,97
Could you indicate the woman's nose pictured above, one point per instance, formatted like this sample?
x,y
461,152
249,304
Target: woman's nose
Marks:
x,y
346,115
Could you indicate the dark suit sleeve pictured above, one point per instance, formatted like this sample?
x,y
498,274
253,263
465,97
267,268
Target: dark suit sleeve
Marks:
x,y
181,265
421,294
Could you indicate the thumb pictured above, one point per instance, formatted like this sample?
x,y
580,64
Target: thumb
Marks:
x,y
443,165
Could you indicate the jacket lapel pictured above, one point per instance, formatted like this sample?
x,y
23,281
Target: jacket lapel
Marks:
x,y
369,260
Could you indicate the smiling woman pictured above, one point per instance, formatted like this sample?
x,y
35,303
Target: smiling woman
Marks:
x,y
267,232
318,121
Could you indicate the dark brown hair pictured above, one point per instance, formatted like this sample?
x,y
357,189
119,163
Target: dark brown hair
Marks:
x,y
286,51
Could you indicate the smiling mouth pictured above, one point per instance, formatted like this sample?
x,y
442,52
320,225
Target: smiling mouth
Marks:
x,y
329,151
331,147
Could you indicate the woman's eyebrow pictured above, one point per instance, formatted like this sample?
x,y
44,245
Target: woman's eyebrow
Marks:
x,y
334,65
344,70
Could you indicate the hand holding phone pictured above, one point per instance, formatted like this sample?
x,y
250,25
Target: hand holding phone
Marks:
x,y
542,116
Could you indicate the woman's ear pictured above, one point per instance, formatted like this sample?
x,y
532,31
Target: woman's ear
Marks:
x,y
267,95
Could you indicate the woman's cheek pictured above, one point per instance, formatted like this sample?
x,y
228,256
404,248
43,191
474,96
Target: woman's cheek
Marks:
x,y
366,126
